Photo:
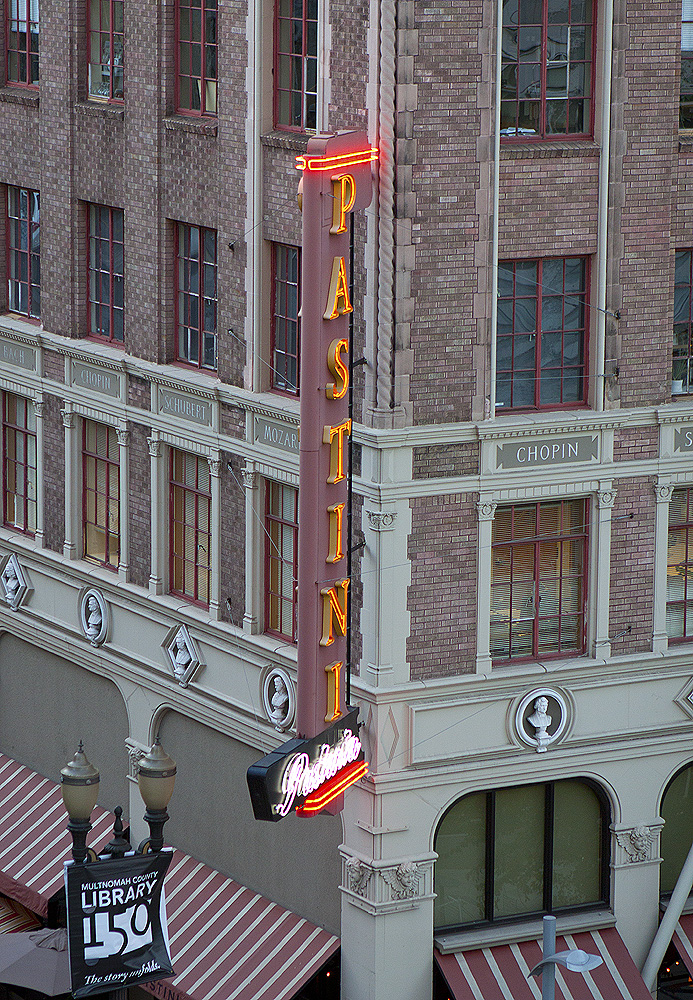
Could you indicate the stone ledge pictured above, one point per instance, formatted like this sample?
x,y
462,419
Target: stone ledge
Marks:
x,y
198,126
539,149
20,95
297,141
100,109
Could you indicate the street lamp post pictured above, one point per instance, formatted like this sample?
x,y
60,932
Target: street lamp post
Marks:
x,y
79,783
575,960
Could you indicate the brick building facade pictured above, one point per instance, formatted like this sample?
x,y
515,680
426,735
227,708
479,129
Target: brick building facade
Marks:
x,y
523,432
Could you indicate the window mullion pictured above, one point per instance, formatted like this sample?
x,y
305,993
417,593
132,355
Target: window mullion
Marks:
x,y
490,853
549,803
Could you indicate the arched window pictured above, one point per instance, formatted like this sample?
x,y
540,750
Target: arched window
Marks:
x,y
518,851
677,834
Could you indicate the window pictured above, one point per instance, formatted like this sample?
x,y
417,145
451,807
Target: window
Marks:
x,y
106,49
682,370
547,76
22,42
101,493
677,833
686,88
538,580
296,65
519,851
281,560
190,527
286,270
106,271
19,471
541,333
197,56
23,245
196,298
680,565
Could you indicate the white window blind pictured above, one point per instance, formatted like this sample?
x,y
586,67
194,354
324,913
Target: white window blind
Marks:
x,y
18,10
686,25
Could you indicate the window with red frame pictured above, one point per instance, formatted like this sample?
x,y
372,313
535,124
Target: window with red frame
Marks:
x,y
22,42
541,333
196,296
296,65
286,325
190,527
281,560
680,565
682,366
686,86
106,49
539,580
19,463
23,252
101,493
547,74
197,56
106,273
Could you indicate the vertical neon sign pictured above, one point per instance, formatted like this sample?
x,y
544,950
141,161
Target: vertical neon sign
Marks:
x,y
336,181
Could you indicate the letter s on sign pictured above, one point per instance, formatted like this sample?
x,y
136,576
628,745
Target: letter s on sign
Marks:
x,y
338,369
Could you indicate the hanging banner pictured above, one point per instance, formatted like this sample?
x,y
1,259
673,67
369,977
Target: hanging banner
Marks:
x,y
116,919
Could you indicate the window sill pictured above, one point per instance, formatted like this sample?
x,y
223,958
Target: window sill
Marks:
x,y
100,109
20,95
198,126
547,149
521,930
297,141
686,141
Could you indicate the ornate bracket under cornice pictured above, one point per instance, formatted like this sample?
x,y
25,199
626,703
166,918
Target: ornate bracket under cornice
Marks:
x,y
637,844
381,520
387,886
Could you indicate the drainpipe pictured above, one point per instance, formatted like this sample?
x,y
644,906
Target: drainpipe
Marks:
x,y
666,929
495,204
255,303
602,230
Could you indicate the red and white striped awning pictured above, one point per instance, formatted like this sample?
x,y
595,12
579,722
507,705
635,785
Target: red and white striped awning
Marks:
x,y
683,940
34,839
227,942
500,972
14,917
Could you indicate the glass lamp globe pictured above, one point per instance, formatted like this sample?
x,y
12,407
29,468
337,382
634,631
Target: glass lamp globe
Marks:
x,y
156,777
79,783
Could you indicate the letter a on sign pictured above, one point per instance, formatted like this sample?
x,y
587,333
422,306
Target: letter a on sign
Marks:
x,y
338,302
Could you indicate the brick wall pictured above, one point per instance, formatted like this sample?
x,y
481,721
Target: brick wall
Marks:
x,y
442,595
53,473
446,460
632,562
644,147
232,540
636,443
139,505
